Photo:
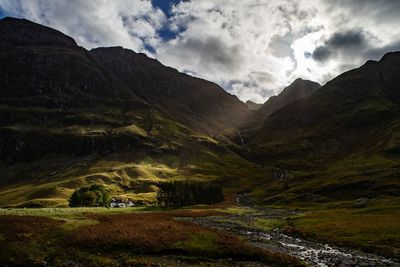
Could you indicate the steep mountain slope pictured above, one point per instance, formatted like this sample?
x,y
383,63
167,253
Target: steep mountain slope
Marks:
x,y
198,103
111,72
344,140
69,117
298,89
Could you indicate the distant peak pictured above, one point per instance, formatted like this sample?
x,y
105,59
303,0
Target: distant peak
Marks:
x,y
300,80
298,89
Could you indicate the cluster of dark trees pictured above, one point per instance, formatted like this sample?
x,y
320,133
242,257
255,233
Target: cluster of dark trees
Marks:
x,y
94,195
179,193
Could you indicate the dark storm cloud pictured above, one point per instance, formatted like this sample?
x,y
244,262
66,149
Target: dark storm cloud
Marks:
x,y
213,51
347,39
352,44
321,53
341,42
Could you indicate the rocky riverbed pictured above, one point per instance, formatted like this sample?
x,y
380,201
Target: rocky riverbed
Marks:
x,y
313,253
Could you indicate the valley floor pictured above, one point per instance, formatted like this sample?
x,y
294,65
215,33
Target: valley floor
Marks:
x,y
197,236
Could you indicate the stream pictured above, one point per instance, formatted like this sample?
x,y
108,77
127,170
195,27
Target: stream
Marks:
x,y
311,252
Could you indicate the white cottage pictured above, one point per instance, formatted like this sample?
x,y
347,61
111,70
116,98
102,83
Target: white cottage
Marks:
x,y
118,203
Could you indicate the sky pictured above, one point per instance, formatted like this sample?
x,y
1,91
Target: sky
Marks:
x,y
251,48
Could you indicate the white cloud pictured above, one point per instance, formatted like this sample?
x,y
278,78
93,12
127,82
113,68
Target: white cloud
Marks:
x,y
228,41
95,23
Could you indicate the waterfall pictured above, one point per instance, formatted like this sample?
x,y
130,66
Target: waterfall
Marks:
x,y
241,138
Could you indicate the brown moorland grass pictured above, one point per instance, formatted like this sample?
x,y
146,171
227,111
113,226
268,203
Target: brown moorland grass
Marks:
x,y
160,233
25,228
25,239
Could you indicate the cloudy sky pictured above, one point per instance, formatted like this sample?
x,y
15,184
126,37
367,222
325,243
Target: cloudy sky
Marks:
x,y
252,48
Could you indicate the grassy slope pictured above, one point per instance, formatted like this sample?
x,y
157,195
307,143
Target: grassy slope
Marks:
x,y
168,151
132,174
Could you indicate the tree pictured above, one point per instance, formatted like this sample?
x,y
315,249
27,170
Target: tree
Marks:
x,y
89,199
179,193
94,195
75,199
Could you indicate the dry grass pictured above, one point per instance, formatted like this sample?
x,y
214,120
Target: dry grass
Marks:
x,y
152,231
25,228
25,239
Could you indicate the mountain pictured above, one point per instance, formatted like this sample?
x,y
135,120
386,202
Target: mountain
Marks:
x,y
253,106
343,141
111,72
70,117
296,90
